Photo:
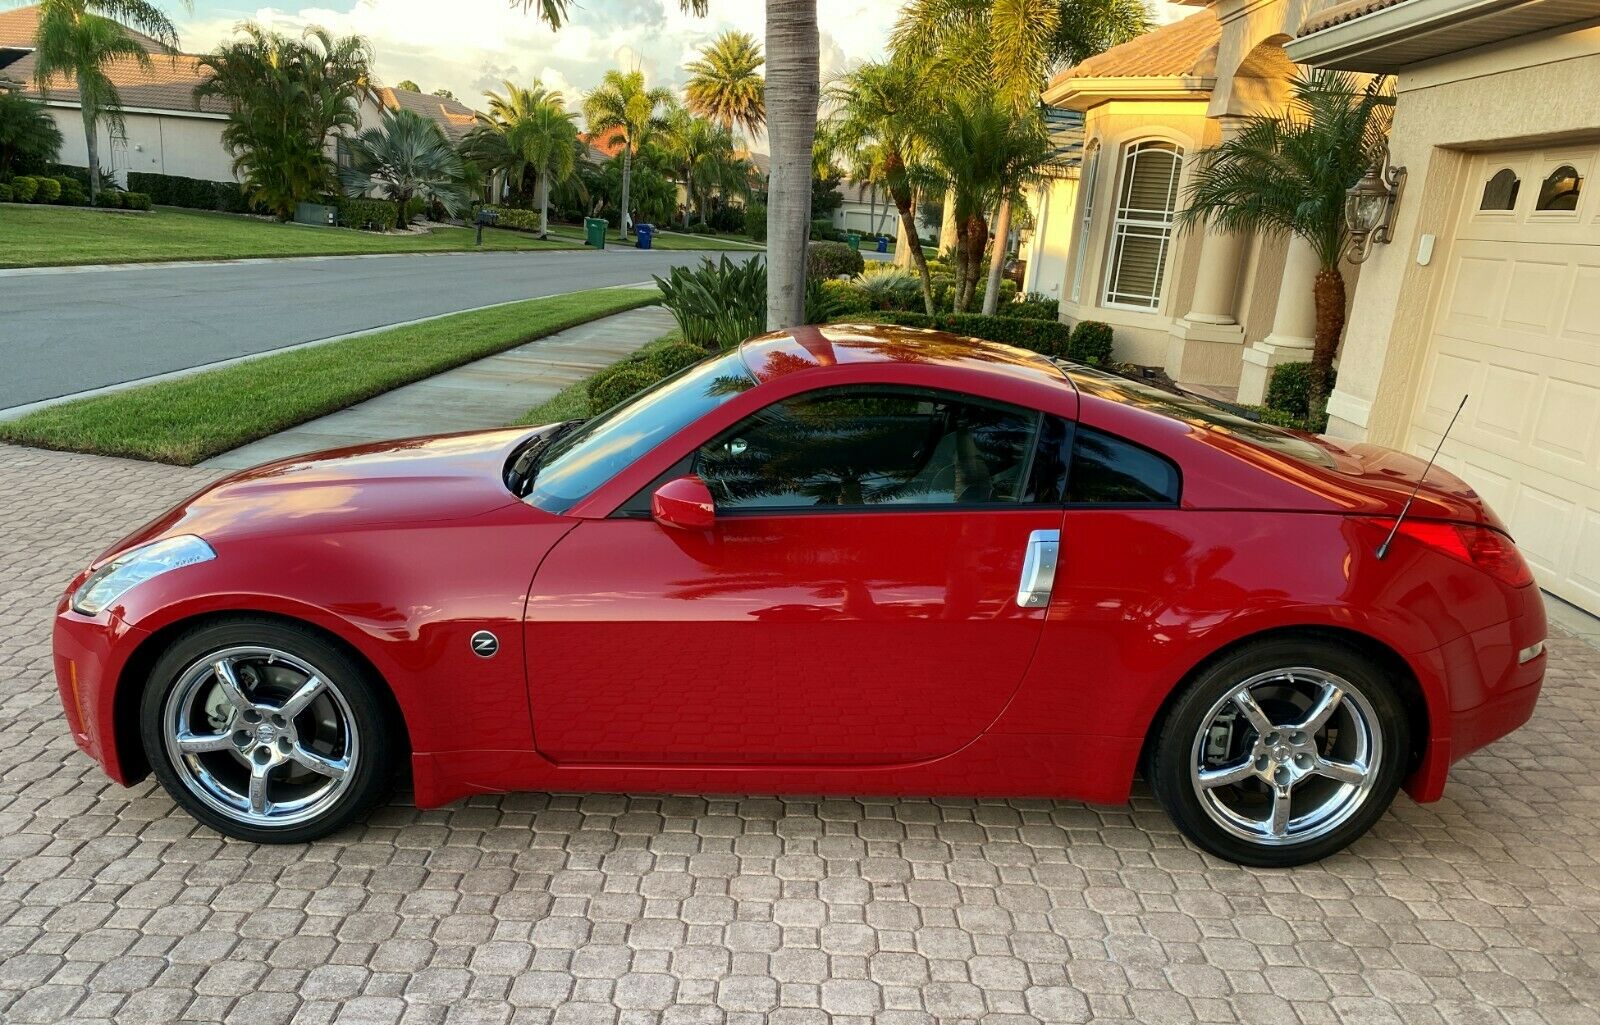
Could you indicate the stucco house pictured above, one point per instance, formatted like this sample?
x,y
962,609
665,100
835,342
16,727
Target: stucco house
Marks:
x,y
872,213
1489,285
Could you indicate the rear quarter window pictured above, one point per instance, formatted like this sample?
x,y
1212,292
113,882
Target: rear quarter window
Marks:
x,y
1108,470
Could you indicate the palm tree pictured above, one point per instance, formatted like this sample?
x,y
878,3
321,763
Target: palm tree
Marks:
x,y
288,98
725,84
885,106
1011,46
794,57
987,152
624,106
77,43
527,131
407,156
29,138
1286,174
704,154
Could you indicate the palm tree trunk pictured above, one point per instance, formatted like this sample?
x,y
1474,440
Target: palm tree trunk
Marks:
x,y
400,205
1329,295
627,179
793,56
948,229
93,143
997,262
872,206
908,234
544,204
970,238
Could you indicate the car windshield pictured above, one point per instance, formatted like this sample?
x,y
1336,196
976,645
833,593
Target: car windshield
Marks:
x,y
1201,413
588,456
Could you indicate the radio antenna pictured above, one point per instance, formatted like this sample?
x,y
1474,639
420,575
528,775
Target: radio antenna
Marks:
x,y
1383,549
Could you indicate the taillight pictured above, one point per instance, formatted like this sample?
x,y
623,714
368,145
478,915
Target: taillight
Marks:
x,y
1489,550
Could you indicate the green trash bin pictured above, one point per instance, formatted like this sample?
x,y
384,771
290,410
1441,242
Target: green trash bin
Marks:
x,y
594,232
855,241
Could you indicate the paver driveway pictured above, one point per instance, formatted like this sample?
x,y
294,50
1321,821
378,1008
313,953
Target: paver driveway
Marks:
x,y
1484,908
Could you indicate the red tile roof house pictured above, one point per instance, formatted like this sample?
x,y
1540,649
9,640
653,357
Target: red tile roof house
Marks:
x,y
165,131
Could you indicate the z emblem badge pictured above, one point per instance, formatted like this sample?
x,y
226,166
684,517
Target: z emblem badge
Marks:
x,y
485,644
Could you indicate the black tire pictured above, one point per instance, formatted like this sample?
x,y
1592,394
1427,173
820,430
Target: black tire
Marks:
x,y
1175,745
380,736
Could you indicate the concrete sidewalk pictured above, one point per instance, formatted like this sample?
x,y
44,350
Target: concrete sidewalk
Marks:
x,y
491,392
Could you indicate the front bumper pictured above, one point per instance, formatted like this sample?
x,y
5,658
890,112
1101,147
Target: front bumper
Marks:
x,y
90,656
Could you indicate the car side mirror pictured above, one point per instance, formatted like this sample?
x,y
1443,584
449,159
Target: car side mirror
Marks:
x,y
684,503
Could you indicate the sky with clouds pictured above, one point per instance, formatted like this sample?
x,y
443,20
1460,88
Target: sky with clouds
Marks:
x,y
468,46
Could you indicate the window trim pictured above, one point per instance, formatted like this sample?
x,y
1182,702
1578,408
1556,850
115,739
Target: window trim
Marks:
x,y
1120,220
1088,182
631,509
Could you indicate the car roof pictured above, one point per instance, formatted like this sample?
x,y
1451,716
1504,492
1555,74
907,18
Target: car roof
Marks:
x,y
800,349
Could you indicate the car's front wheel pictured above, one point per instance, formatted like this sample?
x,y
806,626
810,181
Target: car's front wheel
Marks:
x,y
267,732
1282,752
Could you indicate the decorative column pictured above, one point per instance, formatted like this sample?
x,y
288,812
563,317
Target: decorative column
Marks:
x,y
1294,326
1204,346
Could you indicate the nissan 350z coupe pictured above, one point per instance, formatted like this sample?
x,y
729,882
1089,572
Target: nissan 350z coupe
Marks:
x,y
840,560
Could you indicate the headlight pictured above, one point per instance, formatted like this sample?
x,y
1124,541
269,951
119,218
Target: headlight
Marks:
x,y
134,566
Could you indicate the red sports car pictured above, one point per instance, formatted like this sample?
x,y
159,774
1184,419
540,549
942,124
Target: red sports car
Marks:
x,y
833,560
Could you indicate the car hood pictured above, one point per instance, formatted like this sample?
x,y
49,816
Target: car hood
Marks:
x,y
410,480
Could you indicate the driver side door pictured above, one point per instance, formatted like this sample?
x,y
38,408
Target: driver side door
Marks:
x,y
854,603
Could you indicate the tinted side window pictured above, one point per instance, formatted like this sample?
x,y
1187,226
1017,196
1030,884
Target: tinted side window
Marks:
x,y
1107,470
871,447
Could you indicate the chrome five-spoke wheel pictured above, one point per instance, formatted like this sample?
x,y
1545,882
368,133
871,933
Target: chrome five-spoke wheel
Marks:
x,y
1283,751
1287,756
266,731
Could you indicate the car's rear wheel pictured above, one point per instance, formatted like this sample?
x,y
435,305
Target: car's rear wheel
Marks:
x,y
267,732
1282,752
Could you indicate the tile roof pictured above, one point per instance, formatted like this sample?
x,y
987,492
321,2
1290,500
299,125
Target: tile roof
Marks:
x,y
1178,49
167,84
455,117
19,26
605,148
1348,10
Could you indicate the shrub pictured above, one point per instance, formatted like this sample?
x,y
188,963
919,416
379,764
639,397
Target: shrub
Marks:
x,y
111,199
192,193
831,259
366,214
135,201
1034,306
1090,343
755,221
73,192
887,287
624,381
822,229
840,299
23,188
728,217
1289,389
5,192
701,228
717,305
1047,337
515,219
47,190
77,174
666,360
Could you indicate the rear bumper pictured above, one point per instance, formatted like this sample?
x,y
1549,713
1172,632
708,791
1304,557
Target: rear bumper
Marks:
x,y
1490,694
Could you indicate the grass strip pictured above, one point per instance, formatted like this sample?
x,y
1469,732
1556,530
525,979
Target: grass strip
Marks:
x,y
572,402
188,419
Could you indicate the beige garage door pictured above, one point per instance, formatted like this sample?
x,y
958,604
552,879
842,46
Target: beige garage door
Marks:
x,y
1518,327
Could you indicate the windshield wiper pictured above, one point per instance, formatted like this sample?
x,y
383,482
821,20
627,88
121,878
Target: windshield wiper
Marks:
x,y
519,477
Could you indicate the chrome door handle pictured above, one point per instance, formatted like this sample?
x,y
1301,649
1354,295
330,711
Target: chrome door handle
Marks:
x,y
1039,569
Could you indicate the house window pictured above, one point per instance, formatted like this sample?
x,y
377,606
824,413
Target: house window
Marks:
x,y
1147,197
1560,190
1500,192
1091,175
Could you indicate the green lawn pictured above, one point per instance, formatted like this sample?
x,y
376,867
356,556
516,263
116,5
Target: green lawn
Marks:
x,y
572,402
47,236
669,241
192,418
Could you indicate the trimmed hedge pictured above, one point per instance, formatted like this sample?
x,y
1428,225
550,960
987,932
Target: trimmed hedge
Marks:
x,y
48,191
364,213
192,193
1090,343
831,259
619,382
73,191
1046,337
1034,306
515,219
23,188
110,199
5,192
673,357
135,201
1289,389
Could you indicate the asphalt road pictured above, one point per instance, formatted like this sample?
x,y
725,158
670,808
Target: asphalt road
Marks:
x,y
68,331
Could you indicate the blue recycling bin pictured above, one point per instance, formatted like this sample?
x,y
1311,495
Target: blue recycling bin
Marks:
x,y
883,243
645,233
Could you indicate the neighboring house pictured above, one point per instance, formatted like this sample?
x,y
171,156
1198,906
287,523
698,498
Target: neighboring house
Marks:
x,y
164,130
861,212
453,116
1046,247
1490,286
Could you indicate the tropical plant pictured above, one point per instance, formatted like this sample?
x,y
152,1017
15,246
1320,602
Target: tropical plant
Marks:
x,y
792,89
717,305
78,40
888,287
406,156
623,105
287,99
29,138
987,153
527,132
885,106
704,154
1286,174
725,83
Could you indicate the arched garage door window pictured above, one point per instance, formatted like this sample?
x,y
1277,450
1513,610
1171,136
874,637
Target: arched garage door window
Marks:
x,y
1147,196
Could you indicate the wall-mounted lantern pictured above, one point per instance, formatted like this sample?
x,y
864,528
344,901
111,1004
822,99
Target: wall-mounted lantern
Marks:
x,y
1369,207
